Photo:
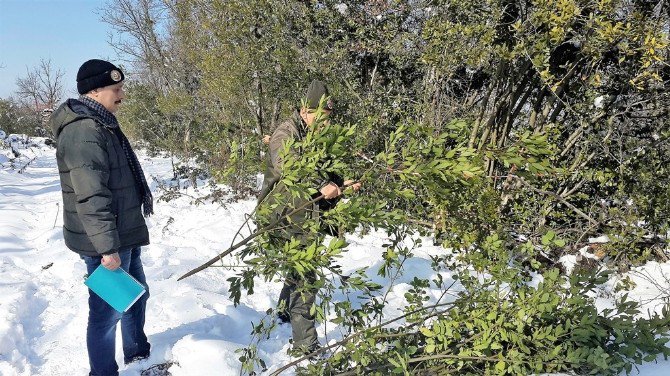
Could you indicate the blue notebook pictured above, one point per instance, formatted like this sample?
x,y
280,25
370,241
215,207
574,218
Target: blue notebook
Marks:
x,y
118,288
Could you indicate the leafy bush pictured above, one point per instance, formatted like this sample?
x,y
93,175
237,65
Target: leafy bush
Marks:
x,y
513,131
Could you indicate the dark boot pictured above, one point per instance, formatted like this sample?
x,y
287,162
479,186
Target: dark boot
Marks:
x,y
283,304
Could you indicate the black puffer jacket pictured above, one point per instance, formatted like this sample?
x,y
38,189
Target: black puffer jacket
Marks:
x,y
101,204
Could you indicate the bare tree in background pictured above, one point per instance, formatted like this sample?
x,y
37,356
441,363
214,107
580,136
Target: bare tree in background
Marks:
x,y
42,85
41,90
152,42
138,21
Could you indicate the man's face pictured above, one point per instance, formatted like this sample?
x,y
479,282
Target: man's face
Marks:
x,y
311,116
109,96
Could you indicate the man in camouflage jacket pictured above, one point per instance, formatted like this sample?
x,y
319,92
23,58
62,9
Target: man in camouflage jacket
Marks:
x,y
298,294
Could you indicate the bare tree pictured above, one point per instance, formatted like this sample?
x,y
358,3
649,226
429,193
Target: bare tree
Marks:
x,y
139,21
42,87
39,92
151,41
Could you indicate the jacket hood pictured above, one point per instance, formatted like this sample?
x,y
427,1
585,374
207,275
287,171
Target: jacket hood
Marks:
x,y
69,112
299,124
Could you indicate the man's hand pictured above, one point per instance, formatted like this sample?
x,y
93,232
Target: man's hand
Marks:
x,y
330,190
111,262
354,186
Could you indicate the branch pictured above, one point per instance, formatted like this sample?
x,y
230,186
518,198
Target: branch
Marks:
x,y
559,198
354,335
255,234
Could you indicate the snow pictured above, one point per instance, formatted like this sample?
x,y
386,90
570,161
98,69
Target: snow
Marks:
x,y
191,323
342,8
651,286
598,102
570,261
600,239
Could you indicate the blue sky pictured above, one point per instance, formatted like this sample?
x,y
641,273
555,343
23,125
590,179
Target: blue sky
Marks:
x,y
68,32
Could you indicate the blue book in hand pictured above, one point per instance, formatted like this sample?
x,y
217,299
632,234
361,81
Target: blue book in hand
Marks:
x,y
118,288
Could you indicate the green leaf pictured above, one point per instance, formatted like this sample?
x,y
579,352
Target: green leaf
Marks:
x,y
426,332
548,237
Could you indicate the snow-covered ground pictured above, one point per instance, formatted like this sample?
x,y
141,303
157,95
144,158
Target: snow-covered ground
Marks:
x,y
193,323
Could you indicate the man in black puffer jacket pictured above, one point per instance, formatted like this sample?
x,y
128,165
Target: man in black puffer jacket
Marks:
x,y
104,196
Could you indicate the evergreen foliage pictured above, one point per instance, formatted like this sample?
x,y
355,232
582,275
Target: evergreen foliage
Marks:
x,y
18,118
510,130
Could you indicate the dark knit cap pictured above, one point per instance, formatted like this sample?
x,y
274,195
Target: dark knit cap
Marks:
x,y
315,91
96,73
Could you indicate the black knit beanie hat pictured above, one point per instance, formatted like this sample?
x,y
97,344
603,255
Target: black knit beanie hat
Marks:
x,y
315,91
96,73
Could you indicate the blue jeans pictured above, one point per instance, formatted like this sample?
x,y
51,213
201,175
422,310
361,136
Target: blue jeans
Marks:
x,y
102,320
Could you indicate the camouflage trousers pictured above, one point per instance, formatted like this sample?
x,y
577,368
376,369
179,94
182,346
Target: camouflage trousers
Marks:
x,y
297,298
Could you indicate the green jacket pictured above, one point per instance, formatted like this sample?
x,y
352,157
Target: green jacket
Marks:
x,y
293,128
101,203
